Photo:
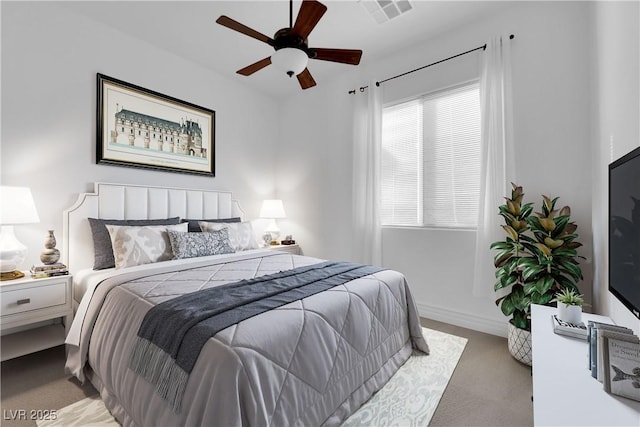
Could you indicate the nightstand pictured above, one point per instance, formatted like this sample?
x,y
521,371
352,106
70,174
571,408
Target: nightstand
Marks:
x,y
27,307
292,249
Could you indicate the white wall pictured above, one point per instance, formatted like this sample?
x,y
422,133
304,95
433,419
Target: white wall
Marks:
x,y
314,170
616,128
551,78
50,57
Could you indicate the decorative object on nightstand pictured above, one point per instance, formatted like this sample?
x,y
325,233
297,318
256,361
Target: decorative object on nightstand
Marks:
x,y
50,270
16,207
50,255
272,209
288,240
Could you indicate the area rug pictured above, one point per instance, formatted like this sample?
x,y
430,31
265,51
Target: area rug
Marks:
x,y
410,398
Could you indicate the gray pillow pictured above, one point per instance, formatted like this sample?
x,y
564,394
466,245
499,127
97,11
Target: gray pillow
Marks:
x,y
102,248
191,245
195,228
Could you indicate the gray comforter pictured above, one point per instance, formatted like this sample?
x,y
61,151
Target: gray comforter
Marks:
x,y
310,362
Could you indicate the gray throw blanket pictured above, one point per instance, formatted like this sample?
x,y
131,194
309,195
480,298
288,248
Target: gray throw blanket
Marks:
x,y
173,333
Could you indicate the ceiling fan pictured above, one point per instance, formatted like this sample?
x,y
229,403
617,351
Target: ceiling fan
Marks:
x,y
291,49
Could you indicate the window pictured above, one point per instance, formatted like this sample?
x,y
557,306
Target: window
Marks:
x,y
431,160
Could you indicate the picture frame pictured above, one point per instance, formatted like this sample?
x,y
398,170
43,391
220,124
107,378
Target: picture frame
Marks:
x,y
141,128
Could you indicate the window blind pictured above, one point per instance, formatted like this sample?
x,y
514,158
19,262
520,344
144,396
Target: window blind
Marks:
x,y
431,160
401,164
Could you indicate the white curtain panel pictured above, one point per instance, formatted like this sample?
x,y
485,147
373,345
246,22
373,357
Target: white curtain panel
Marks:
x,y
497,157
367,234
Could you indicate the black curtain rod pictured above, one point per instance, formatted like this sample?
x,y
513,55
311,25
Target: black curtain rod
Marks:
x,y
483,47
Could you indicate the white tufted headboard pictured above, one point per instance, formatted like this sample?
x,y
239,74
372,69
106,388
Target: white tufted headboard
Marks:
x,y
124,201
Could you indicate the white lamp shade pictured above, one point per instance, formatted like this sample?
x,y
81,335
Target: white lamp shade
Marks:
x,y
290,59
272,209
17,206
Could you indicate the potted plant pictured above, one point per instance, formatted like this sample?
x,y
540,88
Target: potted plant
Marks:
x,y
537,259
569,304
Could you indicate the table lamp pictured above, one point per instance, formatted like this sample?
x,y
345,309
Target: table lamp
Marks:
x,y
272,209
16,207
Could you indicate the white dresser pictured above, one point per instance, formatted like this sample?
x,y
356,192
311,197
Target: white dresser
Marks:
x,y
564,392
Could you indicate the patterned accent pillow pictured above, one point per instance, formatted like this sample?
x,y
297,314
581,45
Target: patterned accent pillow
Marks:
x,y
102,248
240,233
141,245
192,245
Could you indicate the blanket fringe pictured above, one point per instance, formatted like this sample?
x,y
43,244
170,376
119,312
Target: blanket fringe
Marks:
x,y
160,369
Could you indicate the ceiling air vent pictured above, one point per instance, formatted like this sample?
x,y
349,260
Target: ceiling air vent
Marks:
x,y
385,10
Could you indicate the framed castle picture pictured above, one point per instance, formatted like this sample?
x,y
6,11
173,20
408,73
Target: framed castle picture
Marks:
x,y
140,128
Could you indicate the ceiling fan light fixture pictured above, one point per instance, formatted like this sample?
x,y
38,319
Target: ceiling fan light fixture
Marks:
x,y
292,53
290,60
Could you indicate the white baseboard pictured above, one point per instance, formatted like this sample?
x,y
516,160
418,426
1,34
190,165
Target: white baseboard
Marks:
x,y
464,320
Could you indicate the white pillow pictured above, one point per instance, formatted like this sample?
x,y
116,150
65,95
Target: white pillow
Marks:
x,y
142,244
240,233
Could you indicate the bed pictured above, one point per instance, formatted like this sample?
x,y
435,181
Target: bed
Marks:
x,y
312,359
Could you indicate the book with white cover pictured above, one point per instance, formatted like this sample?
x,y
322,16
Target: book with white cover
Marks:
x,y
622,366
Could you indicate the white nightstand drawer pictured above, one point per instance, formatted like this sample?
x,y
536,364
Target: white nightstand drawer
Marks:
x,y
33,298
292,249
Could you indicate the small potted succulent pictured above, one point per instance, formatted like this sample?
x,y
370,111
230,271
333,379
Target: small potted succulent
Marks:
x,y
569,304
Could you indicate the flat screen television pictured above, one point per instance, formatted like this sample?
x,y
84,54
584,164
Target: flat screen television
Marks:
x,y
624,230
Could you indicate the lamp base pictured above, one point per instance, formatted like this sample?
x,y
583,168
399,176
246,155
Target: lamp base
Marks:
x,y
11,275
274,232
12,252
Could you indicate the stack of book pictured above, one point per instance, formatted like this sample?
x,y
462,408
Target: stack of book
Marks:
x,y
561,327
614,358
40,271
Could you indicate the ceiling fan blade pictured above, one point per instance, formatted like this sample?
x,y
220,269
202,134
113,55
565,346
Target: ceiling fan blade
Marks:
x,y
345,56
305,79
235,25
310,13
256,66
